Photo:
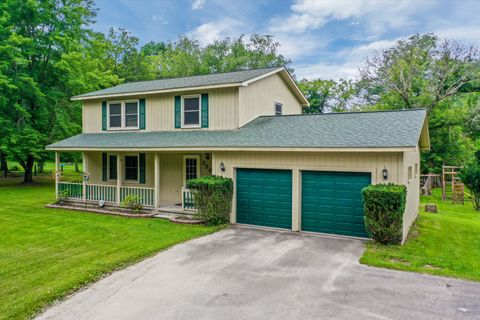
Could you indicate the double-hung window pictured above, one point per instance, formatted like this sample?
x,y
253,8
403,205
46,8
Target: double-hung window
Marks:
x,y
191,111
123,114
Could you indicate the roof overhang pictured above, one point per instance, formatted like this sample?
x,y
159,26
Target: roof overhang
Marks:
x,y
228,149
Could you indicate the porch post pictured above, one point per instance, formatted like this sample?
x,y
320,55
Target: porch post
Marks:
x,y
57,172
84,182
119,176
157,181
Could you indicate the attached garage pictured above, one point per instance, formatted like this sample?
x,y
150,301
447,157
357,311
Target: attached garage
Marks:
x,y
264,197
332,202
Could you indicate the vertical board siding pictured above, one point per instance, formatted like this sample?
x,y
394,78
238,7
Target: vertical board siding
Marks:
x,y
413,189
258,99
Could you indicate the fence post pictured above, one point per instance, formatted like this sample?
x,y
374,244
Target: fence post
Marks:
x,y
57,172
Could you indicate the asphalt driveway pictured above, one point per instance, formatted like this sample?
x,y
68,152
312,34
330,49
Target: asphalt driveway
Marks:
x,y
241,273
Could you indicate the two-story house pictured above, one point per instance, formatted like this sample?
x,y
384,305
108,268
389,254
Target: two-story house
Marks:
x,y
290,170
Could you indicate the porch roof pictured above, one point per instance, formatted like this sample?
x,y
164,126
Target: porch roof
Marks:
x,y
385,129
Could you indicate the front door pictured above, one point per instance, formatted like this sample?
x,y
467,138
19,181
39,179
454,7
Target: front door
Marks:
x,y
191,168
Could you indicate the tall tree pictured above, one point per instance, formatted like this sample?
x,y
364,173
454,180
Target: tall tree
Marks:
x,y
328,95
38,33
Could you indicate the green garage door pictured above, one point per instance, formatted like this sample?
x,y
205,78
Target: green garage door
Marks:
x,y
264,197
332,202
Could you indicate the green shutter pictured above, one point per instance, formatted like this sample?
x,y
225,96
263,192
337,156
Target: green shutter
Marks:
x,y
104,167
104,115
178,112
142,167
204,110
142,114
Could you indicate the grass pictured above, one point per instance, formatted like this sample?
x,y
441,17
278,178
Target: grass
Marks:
x,y
47,253
446,243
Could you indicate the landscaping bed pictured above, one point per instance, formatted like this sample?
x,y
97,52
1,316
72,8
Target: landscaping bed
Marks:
x,y
446,243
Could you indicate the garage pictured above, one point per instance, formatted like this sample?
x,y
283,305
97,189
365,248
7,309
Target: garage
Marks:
x,y
264,197
332,202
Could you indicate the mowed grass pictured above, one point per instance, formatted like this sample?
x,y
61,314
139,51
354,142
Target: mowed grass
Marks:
x,y
446,243
47,253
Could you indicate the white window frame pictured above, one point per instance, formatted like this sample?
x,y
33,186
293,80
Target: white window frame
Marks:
x,y
123,114
275,103
199,125
125,167
197,157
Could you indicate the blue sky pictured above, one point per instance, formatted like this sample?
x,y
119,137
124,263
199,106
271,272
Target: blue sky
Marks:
x,y
324,38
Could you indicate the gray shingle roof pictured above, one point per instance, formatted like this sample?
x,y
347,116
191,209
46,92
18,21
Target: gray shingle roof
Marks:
x,y
384,129
182,82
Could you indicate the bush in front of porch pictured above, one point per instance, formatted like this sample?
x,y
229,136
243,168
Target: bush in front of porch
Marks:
x,y
212,196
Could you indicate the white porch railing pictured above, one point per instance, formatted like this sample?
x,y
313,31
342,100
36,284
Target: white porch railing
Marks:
x,y
146,195
187,199
70,190
96,192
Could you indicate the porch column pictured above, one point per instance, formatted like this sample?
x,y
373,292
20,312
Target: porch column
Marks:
x,y
57,172
84,181
157,181
119,176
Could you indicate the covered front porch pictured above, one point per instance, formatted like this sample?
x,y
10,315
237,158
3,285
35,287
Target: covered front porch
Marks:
x,y
157,178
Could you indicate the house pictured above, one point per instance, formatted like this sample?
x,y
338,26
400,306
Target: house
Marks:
x,y
290,170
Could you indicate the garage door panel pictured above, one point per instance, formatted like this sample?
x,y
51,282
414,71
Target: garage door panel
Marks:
x,y
332,202
264,197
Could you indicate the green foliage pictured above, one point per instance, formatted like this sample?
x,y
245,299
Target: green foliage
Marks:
x,y
62,196
384,208
470,176
133,202
213,198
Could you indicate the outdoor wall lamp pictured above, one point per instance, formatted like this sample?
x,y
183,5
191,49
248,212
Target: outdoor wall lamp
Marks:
x,y
385,173
222,167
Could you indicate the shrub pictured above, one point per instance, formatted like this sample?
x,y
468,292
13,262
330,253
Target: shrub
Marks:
x,y
62,196
470,176
133,202
212,196
384,208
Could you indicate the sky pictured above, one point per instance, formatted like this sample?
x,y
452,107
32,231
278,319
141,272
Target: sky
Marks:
x,y
327,39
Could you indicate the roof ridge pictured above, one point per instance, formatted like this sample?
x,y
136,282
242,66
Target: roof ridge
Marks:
x,y
338,113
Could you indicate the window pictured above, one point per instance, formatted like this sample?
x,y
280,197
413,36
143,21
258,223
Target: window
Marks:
x,y
123,114
115,111
416,170
191,111
112,167
191,167
409,173
278,108
131,114
131,168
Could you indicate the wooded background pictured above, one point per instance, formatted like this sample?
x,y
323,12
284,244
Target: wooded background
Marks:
x,y
49,53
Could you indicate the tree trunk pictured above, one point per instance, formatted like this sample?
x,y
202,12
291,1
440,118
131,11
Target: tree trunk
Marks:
x,y
28,178
3,164
76,166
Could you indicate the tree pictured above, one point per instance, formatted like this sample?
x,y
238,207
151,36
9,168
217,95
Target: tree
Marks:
x,y
34,37
328,95
470,176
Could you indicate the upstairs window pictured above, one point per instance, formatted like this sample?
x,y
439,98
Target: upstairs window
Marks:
x,y
123,114
191,111
278,108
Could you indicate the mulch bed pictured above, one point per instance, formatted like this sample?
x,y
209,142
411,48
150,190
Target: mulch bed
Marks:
x,y
114,212
185,220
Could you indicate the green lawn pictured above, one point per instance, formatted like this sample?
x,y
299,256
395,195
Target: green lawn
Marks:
x,y
48,253
446,243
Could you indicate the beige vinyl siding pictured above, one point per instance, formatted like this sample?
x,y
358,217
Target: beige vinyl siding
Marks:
x,y
259,97
410,158
372,162
160,116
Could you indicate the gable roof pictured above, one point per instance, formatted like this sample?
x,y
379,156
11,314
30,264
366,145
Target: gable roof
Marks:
x,y
215,80
356,130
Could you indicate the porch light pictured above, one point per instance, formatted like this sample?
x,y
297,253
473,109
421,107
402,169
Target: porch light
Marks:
x,y
222,167
385,173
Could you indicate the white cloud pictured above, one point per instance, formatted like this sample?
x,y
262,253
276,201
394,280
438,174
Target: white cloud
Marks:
x,y
217,30
377,15
198,4
466,34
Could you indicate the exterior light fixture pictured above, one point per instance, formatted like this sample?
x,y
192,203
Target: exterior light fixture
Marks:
x,y
385,173
222,167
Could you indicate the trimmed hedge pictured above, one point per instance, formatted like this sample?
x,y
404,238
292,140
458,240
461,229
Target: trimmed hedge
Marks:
x,y
384,208
212,196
